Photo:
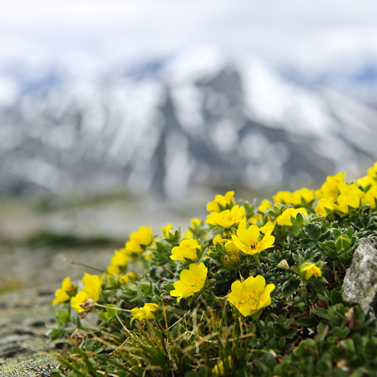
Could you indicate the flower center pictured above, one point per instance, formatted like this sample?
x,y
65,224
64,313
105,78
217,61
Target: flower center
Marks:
x,y
252,244
195,282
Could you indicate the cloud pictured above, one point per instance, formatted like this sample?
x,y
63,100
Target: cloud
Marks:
x,y
277,30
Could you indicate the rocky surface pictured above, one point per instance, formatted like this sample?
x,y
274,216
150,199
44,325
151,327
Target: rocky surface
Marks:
x,y
25,349
360,282
37,237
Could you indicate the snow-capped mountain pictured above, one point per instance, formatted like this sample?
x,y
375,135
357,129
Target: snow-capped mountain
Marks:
x,y
195,117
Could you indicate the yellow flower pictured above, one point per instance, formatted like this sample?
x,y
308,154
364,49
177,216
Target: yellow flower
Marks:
x,y
372,172
147,254
92,289
77,300
284,197
254,220
194,222
324,203
242,224
330,188
92,285
227,218
370,197
140,239
61,294
350,195
218,240
247,240
365,181
285,217
146,312
305,194
231,252
186,249
264,205
187,234
124,279
268,227
113,270
311,270
222,201
191,281
219,369
166,228
231,248
294,198
250,296
120,259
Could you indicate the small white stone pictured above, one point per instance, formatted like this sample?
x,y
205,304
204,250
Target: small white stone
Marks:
x,y
283,264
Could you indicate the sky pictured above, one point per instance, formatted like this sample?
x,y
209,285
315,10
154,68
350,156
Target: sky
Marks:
x,y
305,33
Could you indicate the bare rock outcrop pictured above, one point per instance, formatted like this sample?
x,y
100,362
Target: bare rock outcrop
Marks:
x,y
360,281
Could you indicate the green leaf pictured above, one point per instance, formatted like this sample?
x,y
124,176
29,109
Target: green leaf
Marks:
x,y
56,333
290,286
62,317
269,360
324,313
282,342
325,235
313,231
323,367
160,246
307,322
168,286
337,233
358,313
336,297
291,333
249,209
104,316
279,329
277,256
299,219
330,248
110,312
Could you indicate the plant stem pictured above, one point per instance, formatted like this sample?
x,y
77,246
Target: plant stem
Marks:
x,y
257,261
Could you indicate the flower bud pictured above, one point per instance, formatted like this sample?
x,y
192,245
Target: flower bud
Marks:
x,y
283,264
88,304
78,336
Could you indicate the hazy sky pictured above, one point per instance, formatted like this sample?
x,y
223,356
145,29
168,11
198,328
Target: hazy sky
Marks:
x,y
106,30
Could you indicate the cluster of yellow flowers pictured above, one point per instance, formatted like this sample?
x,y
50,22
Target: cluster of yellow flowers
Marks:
x,y
91,289
337,195
138,242
297,198
237,233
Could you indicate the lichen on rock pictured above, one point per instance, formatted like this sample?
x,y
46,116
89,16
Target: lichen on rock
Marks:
x,y
360,281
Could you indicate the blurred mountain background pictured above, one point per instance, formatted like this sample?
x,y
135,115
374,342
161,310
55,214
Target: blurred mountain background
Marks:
x,y
198,117
120,114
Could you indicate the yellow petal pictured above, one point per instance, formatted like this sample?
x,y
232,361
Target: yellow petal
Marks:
x,y
267,242
253,233
255,285
79,299
237,242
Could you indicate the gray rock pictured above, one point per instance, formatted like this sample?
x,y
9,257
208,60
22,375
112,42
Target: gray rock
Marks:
x,y
360,282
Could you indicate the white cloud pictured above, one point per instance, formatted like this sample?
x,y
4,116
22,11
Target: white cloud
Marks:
x,y
279,30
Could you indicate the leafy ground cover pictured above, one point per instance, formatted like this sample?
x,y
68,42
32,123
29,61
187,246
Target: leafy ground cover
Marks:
x,y
252,290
